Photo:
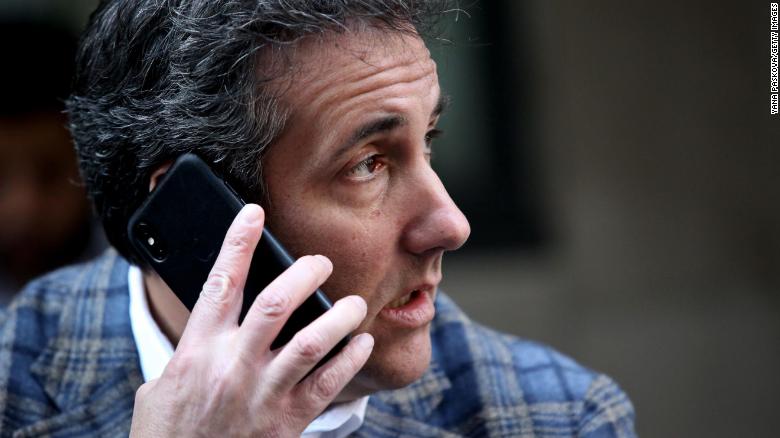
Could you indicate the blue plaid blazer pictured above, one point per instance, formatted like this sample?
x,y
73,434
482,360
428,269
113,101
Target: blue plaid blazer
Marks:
x,y
69,367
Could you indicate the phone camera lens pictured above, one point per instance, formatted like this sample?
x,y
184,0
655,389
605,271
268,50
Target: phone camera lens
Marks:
x,y
153,245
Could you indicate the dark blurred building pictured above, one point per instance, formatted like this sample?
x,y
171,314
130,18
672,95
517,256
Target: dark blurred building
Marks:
x,y
657,163
45,219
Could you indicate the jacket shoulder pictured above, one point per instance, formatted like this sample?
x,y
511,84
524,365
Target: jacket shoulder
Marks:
x,y
45,319
523,388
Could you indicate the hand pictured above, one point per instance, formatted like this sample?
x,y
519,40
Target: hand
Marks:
x,y
224,380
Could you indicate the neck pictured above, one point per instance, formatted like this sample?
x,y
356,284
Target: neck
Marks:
x,y
166,309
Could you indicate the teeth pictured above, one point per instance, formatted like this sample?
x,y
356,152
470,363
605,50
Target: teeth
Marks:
x,y
401,301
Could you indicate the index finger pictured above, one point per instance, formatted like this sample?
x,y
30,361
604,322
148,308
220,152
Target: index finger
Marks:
x,y
219,303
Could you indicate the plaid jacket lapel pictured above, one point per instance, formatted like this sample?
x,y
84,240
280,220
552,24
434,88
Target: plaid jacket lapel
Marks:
x,y
405,409
90,370
420,398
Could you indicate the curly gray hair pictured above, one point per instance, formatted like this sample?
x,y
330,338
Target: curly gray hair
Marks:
x,y
159,78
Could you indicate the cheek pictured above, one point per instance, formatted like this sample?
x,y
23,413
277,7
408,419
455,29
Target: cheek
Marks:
x,y
361,247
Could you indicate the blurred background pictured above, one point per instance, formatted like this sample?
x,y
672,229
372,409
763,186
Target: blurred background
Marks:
x,y
619,166
45,220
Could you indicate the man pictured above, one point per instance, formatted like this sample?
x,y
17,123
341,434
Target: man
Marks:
x,y
323,113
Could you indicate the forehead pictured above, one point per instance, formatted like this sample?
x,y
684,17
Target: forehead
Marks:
x,y
354,65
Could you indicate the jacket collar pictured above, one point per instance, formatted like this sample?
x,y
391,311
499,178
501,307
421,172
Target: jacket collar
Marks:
x,y
420,398
409,408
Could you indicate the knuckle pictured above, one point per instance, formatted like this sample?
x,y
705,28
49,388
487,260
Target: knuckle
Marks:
x,y
273,430
309,345
216,287
283,424
326,386
273,303
216,282
353,362
240,242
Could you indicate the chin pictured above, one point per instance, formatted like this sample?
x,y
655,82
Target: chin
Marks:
x,y
395,362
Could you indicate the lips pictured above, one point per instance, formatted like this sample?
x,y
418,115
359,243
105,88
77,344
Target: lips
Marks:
x,y
413,310
401,301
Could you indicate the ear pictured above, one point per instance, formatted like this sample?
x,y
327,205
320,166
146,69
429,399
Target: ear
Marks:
x,y
159,172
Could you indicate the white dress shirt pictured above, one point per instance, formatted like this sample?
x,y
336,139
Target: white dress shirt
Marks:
x,y
155,350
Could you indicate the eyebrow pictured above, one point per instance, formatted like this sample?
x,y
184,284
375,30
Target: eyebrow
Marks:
x,y
441,105
386,124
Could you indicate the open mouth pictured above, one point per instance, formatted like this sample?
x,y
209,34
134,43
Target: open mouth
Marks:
x,y
404,300
412,311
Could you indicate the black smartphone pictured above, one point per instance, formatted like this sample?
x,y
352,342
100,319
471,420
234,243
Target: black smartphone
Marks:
x,y
179,230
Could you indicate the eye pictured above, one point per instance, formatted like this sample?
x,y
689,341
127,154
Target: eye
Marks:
x,y
367,168
429,137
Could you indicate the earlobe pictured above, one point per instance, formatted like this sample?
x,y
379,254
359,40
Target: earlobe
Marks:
x,y
157,174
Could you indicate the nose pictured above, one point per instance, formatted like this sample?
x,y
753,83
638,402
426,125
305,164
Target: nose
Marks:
x,y
437,223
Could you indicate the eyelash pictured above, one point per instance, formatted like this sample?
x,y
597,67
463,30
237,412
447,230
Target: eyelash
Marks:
x,y
429,137
373,160
432,135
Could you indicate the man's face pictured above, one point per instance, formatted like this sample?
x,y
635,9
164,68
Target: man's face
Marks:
x,y
350,178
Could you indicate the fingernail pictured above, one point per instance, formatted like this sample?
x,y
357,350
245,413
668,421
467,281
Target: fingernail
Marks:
x,y
325,261
365,341
252,213
359,301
